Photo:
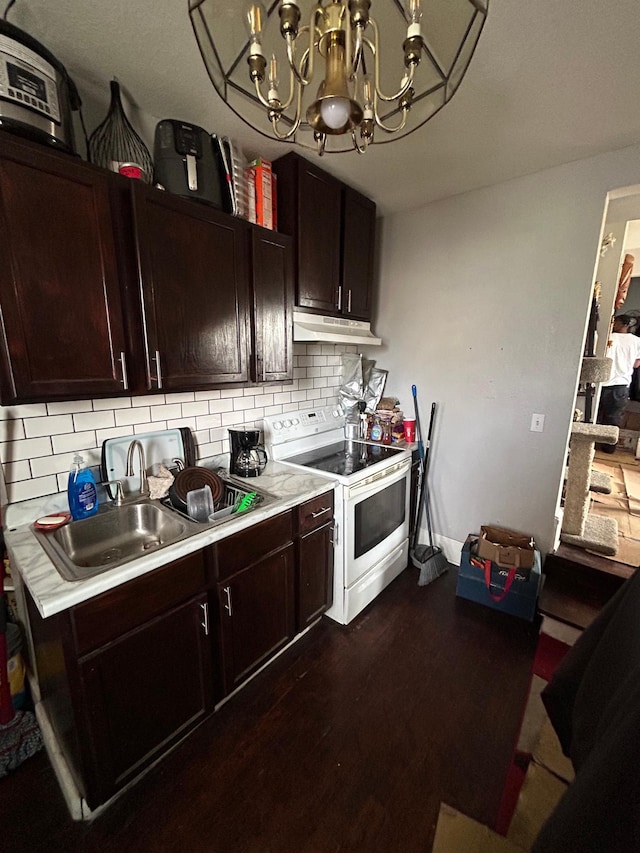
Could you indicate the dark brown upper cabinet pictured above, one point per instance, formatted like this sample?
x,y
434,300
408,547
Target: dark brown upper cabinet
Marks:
x,y
358,245
194,291
333,227
272,310
62,321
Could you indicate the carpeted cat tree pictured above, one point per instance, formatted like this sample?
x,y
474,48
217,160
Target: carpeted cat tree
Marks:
x,y
579,526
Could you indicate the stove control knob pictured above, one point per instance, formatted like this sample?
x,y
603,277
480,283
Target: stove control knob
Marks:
x,y
336,413
295,421
277,425
286,423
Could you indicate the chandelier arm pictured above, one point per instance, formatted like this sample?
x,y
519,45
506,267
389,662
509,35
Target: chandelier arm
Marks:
x,y
261,98
357,51
292,91
361,149
296,124
304,80
408,78
388,129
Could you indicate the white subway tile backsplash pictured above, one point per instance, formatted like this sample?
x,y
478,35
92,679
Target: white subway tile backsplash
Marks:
x,y
50,465
116,432
243,403
186,397
190,410
69,408
26,489
11,430
112,403
264,400
28,410
19,471
27,448
93,420
215,395
156,426
230,419
73,441
163,413
148,400
224,405
253,415
133,416
37,440
208,422
36,427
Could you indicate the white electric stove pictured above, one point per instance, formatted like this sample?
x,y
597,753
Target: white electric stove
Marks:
x,y
372,486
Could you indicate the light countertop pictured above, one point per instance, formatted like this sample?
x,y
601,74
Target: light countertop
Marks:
x,y
52,594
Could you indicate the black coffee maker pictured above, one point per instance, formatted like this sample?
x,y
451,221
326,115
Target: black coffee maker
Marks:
x,y
248,457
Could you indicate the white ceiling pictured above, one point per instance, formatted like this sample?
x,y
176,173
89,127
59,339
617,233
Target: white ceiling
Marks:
x,y
551,81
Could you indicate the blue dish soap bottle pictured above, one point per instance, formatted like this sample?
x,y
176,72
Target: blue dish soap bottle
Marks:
x,y
81,490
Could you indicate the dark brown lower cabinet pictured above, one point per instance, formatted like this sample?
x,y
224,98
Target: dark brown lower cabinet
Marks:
x,y
256,608
315,575
145,691
126,674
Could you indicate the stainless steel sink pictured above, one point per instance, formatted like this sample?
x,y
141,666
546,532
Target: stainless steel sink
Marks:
x,y
119,534
114,536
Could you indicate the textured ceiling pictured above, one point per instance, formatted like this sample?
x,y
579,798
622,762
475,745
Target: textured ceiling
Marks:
x,y
551,81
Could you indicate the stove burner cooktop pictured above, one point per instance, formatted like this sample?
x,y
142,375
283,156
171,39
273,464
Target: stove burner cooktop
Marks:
x,y
344,457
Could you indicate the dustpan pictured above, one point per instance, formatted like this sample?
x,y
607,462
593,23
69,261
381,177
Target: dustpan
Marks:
x,y
427,557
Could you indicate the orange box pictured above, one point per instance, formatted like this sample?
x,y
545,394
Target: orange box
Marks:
x,y
264,192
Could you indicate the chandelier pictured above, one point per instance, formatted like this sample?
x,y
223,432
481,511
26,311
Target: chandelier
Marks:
x,y
337,76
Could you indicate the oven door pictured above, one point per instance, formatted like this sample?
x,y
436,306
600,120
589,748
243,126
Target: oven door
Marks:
x,y
376,519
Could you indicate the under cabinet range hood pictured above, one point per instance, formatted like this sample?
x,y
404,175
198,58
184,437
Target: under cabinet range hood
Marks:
x,y
335,330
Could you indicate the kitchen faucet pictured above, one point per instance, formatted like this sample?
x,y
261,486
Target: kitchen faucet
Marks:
x,y
144,483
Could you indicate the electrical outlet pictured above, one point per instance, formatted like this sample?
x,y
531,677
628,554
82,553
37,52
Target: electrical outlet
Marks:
x,y
537,423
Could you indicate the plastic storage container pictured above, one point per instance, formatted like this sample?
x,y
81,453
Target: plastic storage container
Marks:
x,y
81,490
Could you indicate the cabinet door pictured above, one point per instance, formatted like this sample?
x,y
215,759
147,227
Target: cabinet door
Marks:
x,y
144,692
272,279
194,292
63,333
256,615
359,234
315,575
319,213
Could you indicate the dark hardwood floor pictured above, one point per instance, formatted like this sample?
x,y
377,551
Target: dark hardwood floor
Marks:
x,y
348,742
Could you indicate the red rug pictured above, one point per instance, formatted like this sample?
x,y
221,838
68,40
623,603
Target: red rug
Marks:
x,y
549,653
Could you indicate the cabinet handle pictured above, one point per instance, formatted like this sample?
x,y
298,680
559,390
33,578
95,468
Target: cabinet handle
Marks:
x,y
339,297
349,301
320,512
228,607
123,362
158,369
334,529
205,616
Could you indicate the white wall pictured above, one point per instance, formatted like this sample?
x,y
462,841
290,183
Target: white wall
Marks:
x,y
483,305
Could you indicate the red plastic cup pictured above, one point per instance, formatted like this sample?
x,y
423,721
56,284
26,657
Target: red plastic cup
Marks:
x,y
410,430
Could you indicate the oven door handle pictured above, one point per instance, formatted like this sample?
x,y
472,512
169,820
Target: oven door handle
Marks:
x,y
386,477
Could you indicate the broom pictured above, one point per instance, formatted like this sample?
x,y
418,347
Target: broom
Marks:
x,y
428,558
20,735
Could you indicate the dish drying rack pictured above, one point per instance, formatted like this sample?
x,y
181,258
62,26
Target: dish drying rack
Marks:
x,y
235,499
